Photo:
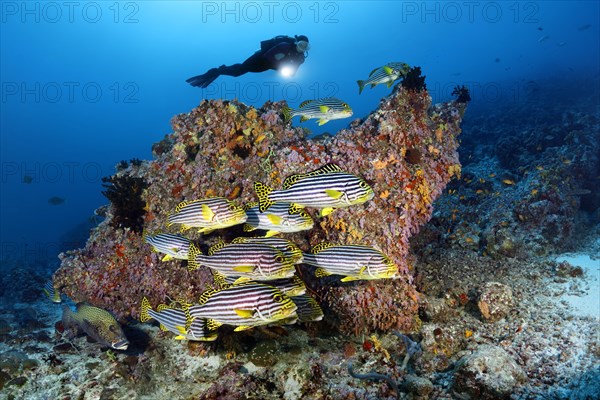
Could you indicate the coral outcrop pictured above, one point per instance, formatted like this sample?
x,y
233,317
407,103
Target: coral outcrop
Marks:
x,y
406,150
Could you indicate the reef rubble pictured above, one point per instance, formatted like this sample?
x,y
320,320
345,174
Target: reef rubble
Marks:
x,y
406,150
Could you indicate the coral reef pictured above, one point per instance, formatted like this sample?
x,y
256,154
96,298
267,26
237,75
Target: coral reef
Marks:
x,y
125,195
220,148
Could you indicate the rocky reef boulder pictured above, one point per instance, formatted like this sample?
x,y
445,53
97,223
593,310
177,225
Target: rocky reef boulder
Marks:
x,y
488,373
406,150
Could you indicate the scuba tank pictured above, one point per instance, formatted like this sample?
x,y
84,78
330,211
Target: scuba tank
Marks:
x,y
265,45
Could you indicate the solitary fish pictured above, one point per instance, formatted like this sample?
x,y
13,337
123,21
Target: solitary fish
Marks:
x,y
248,261
327,188
174,246
56,201
387,74
323,109
175,320
244,306
207,214
282,217
352,261
51,292
97,323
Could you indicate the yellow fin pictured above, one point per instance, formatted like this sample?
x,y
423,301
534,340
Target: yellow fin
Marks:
x,y
271,233
242,328
388,70
209,338
167,258
213,249
181,205
249,205
349,279
244,313
334,194
263,191
326,211
212,324
290,180
320,272
207,213
193,252
303,118
248,228
323,121
180,337
323,109
320,247
274,219
241,279
205,296
144,316
244,268
181,329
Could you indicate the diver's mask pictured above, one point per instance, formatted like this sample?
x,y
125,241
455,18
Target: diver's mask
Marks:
x,y
302,46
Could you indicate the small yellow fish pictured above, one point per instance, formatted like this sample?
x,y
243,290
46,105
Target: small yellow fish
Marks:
x,y
508,182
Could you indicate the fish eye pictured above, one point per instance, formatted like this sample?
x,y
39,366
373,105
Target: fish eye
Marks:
x,y
278,298
363,184
232,207
279,259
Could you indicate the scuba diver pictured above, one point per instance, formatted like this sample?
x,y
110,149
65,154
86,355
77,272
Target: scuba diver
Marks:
x,y
282,53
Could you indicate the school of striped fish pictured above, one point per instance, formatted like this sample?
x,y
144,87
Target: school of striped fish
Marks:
x,y
255,278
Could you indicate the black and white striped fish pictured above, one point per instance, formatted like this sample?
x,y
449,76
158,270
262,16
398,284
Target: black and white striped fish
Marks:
x,y
354,262
293,286
207,214
51,292
175,320
324,109
281,217
248,261
308,308
245,306
173,246
387,74
327,188
289,249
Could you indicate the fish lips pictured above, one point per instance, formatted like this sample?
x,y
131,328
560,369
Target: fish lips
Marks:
x,y
120,344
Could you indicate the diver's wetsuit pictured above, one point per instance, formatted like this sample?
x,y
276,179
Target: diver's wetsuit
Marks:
x,y
273,53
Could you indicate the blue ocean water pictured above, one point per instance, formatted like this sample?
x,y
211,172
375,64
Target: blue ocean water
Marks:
x,y
87,84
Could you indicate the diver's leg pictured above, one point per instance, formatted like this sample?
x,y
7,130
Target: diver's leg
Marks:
x,y
205,79
254,63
